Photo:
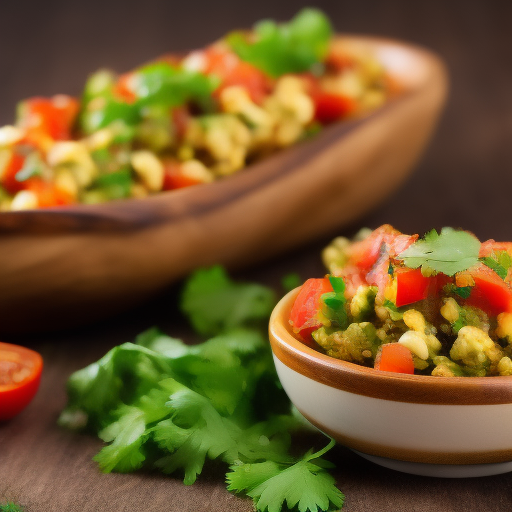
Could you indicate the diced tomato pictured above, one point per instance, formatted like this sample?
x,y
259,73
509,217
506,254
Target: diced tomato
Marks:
x,y
48,194
48,118
490,293
331,107
20,374
379,275
174,177
122,89
490,246
233,71
369,259
8,174
365,253
411,286
307,305
394,357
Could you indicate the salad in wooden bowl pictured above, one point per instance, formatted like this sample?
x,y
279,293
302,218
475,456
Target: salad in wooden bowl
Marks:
x,y
286,133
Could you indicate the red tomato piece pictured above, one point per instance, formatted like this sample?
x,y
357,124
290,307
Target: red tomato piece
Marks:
x,y
396,358
331,107
490,293
304,313
411,286
233,71
369,259
174,177
122,89
8,174
20,374
48,117
365,253
48,194
490,246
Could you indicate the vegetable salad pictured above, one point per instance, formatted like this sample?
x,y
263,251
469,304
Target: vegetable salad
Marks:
x,y
438,305
184,120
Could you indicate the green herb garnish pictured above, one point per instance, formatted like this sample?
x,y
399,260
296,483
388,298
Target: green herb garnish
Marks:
x,y
499,261
292,47
272,485
159,403
11,507
449,252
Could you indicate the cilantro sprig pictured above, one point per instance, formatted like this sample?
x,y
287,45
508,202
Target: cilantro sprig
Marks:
x,y
293,47
449,252
161,404
271,485
499,261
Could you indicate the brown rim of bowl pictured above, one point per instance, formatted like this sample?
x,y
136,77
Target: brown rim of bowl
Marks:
x,y
360,380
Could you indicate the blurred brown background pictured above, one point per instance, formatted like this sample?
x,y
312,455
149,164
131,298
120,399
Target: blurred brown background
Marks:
x,y
464,180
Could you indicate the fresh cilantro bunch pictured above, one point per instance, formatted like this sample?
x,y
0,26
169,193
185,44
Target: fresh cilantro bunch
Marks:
x,y
159,403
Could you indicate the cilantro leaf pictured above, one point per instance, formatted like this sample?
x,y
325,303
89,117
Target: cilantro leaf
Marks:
x,y
126,436
499,261
304,484
214,303
11,507
291,47
449,252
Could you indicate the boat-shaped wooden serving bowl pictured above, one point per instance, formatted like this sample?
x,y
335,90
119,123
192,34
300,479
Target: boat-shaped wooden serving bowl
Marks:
x,y
70,265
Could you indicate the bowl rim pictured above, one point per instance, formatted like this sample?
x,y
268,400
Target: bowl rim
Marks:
x,y
361,380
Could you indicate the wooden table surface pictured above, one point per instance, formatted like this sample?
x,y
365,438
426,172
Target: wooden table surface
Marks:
x,y
464,180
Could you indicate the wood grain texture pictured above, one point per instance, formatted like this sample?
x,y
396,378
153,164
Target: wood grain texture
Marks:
x,y
64,266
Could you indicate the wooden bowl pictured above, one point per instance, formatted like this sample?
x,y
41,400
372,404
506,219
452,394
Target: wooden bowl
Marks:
x,y
65,266
432,426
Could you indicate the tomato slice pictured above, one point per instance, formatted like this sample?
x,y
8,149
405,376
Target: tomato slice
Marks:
x,y
8,174
123,90
394,357
490,246
48,194
307,305
48,118
365,253
233,71
330,107
490,293
20,375
174,177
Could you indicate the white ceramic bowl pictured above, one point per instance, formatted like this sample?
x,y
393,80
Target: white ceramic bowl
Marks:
x,y
433,426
